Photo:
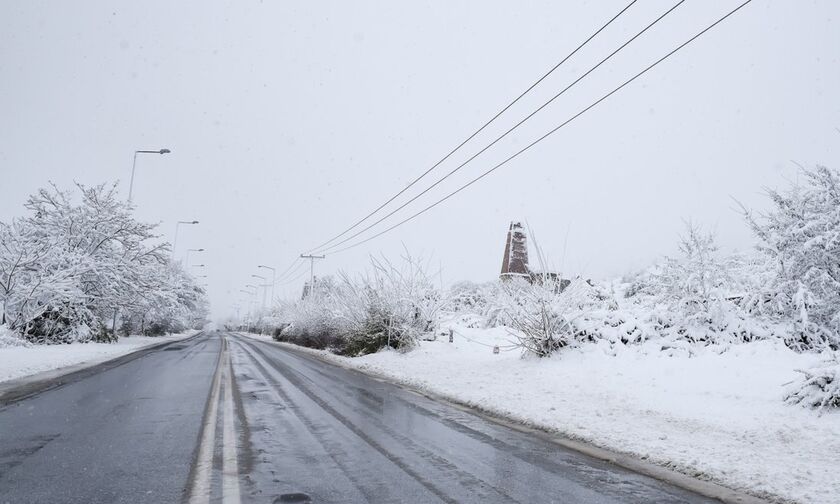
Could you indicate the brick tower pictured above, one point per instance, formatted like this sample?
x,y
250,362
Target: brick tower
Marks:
x,y
515,260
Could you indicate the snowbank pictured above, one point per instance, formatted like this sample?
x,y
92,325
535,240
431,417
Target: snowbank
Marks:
x,y
19,361
714,416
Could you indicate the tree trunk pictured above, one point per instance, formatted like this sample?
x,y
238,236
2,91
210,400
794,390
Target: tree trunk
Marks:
x,y
114,326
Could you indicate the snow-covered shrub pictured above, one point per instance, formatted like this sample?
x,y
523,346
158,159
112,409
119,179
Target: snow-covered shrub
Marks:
x,y
65,322
819,387
624,327
801,239
541,329
697,296
543,317
467,320
391,305
310,321
470,297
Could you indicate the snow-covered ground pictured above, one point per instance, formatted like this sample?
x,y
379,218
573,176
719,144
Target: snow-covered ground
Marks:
x,y
717,416
20,361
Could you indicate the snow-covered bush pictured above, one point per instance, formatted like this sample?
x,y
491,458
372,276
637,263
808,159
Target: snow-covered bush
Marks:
x,y
819,387
488,301
696,297
471,297
541,321
801,239
310,321
391,305
616,327
546,317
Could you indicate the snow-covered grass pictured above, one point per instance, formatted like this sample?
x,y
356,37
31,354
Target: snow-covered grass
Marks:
x,y
20,361
716,416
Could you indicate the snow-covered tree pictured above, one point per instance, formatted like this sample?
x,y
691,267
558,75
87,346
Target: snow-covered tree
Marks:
x,y
697,296
800,236
693,285
37,282
69,270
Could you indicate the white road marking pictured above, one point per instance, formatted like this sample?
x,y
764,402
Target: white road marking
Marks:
x,y
200,492
230,465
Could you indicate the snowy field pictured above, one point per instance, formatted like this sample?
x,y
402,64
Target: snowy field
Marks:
x,y
714,416
19,361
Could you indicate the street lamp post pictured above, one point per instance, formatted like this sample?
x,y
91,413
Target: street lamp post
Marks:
x,y
254,296
250,303
187,261
273,277
134,165
264,286
175,241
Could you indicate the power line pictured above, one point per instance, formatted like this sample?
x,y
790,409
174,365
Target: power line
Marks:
x,y
540,139
285,271
288,275
296,265
476,132
506,133
295,279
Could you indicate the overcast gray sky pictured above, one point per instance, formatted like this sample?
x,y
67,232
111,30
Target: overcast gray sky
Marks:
x,y
290,120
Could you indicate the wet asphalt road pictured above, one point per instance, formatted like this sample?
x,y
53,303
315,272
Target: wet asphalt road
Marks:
x,y
124,435
226,418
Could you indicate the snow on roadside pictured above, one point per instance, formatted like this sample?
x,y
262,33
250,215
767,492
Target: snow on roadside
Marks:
x,y
715,416
19,361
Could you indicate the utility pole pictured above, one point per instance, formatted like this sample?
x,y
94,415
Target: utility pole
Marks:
x,y
312,268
